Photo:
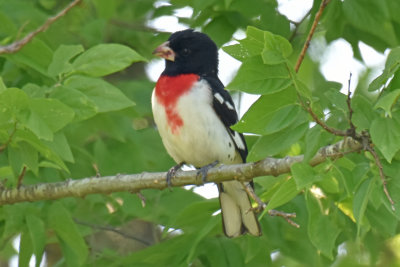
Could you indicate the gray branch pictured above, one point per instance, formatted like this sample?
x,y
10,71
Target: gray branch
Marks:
x,y
136,182
16,46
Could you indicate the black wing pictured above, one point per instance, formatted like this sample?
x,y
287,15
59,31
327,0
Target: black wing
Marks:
x,y
225,109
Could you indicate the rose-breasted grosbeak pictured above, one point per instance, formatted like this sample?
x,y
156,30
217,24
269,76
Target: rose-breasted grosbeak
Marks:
x,y
194,113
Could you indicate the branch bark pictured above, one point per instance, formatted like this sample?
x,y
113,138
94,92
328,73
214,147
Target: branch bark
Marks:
x,y
16,46
324,3
136,182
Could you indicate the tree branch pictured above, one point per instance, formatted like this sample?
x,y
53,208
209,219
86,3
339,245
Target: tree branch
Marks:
x,y
324,3
381,174
136,182
327,128
16,46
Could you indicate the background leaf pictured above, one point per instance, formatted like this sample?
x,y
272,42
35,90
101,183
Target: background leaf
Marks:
x,y
74,245
104,59
385,134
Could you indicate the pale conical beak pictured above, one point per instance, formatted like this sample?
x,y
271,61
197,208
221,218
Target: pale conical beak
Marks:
x,y
165,51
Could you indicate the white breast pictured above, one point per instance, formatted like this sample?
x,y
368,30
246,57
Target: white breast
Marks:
x,y
203,138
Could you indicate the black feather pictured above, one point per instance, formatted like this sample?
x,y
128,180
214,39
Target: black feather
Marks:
x,y
228,116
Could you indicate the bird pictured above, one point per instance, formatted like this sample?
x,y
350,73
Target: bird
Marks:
x,y
193,113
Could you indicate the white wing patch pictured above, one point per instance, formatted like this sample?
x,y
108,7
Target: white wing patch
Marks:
x,y
219,98
222,101
238,140
229,106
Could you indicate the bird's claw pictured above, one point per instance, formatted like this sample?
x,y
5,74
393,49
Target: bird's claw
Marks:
x,y
204,170
172,172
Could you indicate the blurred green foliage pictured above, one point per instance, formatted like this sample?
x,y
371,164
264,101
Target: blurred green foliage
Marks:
x,y
75,102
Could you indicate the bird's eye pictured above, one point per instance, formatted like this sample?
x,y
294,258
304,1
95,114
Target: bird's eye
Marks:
x,y
185,51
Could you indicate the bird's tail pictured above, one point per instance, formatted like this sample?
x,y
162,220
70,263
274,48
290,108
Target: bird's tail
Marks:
x,y
237,216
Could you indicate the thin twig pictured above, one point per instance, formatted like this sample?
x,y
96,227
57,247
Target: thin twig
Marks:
x,y
250,192
16,46
381,174
261,206
96,169
112,229
323,125
366,141
324,3
286,216
21,177
142,199
348,101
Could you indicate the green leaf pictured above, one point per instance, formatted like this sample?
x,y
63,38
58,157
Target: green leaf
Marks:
x,y
48,116
21,155
36,55
276,49
33,140
201,234
313,142
25,250
394,191
220,30
270,123
385,134
387,101
34,90
3,87
251,46
286,192
215,252
195,215
158,255
271,113
270,145
304,175
255,77
234,253
104,59
360,201
38,236
82,105
382,219
391,66
105,96
329,182
12,103
62,57
393,60
73,244
371,16
201,5
338,99
364,113
61,147
321,228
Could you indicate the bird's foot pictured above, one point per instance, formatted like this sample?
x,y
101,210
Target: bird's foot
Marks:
x,y
204,170
172,172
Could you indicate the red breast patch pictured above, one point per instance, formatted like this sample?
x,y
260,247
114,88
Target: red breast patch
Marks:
x,y
168,91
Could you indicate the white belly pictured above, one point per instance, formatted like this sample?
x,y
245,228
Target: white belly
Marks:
x,y
202,139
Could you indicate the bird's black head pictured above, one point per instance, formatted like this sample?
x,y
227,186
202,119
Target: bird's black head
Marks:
x,y
189,51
